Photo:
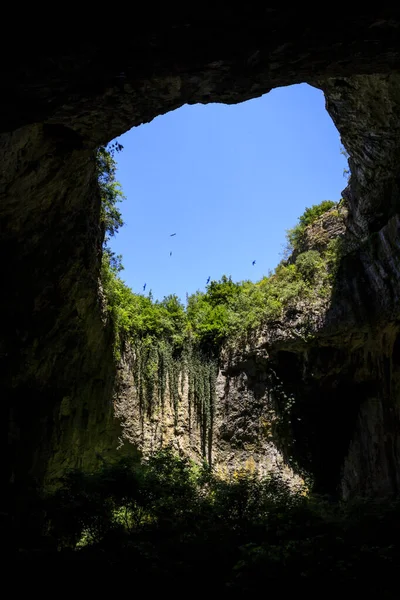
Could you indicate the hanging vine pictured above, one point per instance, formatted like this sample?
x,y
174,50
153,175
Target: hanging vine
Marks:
x,y
159,373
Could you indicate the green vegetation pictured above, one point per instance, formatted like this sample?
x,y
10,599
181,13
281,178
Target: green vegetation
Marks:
x,y
173,343
226,311
111,194
295,236
169,521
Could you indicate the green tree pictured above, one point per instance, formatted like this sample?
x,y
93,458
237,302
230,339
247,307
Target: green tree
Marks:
x,y
111,194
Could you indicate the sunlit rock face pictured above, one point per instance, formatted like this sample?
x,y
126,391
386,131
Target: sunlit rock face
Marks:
x,y
63,100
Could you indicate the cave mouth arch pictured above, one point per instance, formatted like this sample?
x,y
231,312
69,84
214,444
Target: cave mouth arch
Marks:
x,y
216,172
60,103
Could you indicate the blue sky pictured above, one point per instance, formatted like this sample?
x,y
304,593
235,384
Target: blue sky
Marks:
x,y
229,181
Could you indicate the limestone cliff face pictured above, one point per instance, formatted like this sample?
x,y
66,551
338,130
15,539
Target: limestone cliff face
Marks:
x,y
241,433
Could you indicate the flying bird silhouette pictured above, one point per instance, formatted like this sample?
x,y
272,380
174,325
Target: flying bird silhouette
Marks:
x,y
172,234
170,253
144,287
208,280
253,263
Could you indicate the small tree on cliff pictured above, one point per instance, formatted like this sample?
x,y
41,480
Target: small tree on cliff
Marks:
x,y
111,194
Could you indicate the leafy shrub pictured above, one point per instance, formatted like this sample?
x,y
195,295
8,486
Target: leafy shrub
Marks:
x,y
169,519
295,236
226,311
309,264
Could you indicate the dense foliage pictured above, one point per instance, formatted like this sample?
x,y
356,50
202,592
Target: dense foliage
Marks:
x,y
171,522
226,310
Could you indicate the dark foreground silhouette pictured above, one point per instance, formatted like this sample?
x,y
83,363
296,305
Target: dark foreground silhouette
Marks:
x,y
169,521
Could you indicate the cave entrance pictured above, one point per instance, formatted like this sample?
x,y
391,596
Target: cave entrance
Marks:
x,y
229,180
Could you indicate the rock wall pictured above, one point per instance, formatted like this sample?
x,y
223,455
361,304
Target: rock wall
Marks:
x,y
344,376
55,350
366,110
243,430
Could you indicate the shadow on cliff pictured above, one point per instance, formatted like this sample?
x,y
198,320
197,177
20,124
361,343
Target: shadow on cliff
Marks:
x,y
317,425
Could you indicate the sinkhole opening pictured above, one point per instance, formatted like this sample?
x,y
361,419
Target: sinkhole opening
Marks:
x,y
211,190
231,221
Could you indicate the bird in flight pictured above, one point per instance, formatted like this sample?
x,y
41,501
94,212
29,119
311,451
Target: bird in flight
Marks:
x,y
253,263
170,253
144,287
172,234
208,280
